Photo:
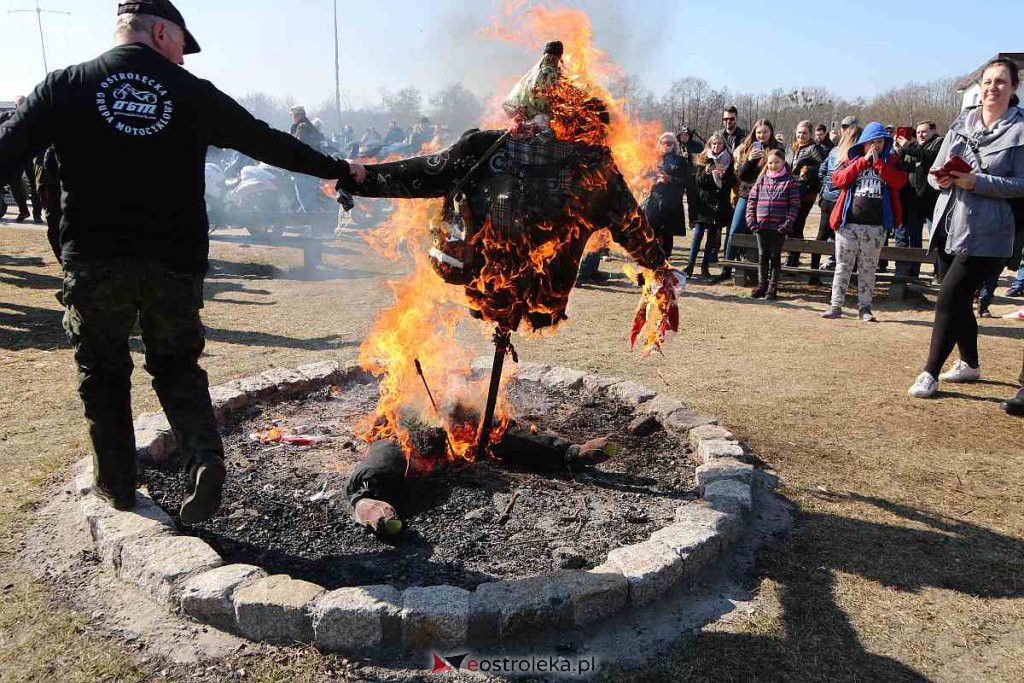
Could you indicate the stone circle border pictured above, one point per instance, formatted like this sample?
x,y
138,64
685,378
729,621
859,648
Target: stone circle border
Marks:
x,y
187,575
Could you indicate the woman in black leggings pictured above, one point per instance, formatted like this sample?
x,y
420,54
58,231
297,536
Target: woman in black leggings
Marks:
x,y
975,211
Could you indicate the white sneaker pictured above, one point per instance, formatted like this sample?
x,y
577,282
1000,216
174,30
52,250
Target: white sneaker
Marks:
x,y
961,372
925,386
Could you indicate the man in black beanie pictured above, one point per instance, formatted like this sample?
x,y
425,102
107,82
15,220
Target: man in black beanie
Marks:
x,y
131,129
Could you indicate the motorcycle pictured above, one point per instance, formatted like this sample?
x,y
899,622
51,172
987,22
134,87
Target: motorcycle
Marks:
x,y
270,201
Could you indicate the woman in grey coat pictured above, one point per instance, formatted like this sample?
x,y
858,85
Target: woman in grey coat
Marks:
x,y
975,210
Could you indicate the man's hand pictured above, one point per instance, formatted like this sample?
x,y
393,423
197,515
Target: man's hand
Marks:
x,y
965,181
944,181
357,171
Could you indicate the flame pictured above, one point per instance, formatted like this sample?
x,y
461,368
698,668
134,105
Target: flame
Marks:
x,y
633,142
516,282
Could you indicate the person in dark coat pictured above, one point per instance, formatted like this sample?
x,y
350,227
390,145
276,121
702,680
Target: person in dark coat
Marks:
x,y
709,201
805,159
16,181
918,196
664,206
821,137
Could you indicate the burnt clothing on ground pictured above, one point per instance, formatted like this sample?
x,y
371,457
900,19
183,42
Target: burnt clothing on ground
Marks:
x,y
383,473
528,197
104,299
132,130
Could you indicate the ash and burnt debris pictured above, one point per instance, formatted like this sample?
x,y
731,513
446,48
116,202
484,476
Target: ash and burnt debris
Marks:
x,y
452,531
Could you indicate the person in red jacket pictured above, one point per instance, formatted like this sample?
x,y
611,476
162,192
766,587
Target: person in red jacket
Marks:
x,y
869,181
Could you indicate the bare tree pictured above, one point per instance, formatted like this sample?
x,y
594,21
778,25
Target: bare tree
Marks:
x,y
404,106
456,107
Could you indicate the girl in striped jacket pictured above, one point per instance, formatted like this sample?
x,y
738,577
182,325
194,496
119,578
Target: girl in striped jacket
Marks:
x,y
771,214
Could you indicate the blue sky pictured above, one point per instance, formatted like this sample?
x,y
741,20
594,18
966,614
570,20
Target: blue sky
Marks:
x,y
285,47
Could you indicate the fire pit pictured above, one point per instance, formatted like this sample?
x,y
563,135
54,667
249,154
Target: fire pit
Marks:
x,y
490,552
466,523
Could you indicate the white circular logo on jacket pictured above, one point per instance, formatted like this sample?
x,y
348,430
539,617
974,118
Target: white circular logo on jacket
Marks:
x,y
134,104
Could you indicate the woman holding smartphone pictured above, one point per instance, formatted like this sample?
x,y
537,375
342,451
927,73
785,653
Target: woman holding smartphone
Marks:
x,y
979,220
750,159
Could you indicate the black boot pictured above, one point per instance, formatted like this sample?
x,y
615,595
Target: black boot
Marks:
x,y
688,271
726,274
206,483
118,501
1015,405
773,291
705,273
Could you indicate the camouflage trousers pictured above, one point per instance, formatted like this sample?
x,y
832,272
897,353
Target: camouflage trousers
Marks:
x,y
103,301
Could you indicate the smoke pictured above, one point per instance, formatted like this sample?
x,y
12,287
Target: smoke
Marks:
x,y
485,65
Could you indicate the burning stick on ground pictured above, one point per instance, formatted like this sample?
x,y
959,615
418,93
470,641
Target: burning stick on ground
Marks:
x,y
430,395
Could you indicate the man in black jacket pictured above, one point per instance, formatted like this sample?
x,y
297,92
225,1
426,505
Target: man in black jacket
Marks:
x,y
732,133
131,129
918,197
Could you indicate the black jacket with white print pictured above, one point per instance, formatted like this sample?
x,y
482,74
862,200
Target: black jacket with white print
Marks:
x,y
131,130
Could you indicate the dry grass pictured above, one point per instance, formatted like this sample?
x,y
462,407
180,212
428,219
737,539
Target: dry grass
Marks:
x,y
906,560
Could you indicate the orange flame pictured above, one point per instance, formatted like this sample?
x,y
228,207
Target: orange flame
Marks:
x,y
422,322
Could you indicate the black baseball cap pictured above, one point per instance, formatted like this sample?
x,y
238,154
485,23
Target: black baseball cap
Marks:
x,y
165,10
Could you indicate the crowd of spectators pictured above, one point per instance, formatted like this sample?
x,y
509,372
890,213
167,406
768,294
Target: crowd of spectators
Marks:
x,y
873,185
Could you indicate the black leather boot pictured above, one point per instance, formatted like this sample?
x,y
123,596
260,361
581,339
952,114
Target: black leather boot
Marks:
x,y
206,483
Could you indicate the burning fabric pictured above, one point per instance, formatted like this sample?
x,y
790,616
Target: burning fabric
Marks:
x,y
518,208
519,205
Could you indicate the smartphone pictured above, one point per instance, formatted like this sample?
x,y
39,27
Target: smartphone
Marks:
x,y
835,125
758,147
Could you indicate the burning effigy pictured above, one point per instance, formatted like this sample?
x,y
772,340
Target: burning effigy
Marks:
x,y
518,208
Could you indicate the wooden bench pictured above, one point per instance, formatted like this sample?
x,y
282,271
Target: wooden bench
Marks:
x,y
744,271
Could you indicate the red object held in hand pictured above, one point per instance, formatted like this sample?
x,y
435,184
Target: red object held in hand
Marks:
x,y
956,164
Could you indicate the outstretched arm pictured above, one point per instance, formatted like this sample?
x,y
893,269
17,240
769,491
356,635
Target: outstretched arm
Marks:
x,y
620,214
235,128
423,177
